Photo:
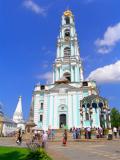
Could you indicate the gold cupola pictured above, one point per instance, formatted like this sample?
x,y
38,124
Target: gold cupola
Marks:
x,y
68,13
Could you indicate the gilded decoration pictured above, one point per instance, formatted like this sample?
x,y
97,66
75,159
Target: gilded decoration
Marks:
x,y
68,13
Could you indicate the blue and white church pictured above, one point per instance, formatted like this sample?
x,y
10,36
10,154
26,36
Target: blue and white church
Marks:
x,y
70,100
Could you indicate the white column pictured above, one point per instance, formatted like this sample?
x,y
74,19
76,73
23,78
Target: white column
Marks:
x,y
75,74
36,109
57,74
57,51
51,111
74,110
72,50
70,111
45,114
62,51
72,74
55,113
53,75
81,74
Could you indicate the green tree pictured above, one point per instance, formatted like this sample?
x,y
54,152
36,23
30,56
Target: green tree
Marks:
x,y
115,117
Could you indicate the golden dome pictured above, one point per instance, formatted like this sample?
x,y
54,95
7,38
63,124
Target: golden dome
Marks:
x,y
68,13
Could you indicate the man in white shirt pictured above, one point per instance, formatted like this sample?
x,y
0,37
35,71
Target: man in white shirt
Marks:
x,y
115,131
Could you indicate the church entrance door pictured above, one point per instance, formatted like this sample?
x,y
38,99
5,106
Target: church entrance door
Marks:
x,y
62,120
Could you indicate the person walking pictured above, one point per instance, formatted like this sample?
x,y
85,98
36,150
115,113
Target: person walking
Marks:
x,y
97,133
89,133
115,132
110,134
44,140
65,137
19,137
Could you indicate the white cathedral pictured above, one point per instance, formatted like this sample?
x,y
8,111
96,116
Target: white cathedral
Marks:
x,y
70,100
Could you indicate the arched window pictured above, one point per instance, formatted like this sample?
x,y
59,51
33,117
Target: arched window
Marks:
x,y
41,118
94,105
41,106
67,20
67,33
67,51
100,104
87,116
67,76
88,105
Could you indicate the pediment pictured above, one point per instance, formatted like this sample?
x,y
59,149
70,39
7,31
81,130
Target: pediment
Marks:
x,y
63,88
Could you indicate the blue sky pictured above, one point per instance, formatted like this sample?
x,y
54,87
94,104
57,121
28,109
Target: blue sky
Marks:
x,y
28,36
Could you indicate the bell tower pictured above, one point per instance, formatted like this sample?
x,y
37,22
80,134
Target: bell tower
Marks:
x,y
68,63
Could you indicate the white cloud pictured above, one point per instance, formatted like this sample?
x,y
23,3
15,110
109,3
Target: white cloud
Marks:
x,y
48,76
29,4
106,74
110,38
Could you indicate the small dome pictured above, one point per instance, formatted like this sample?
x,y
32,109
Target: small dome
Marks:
x,y
68,13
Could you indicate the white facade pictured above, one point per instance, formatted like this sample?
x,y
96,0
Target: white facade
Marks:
x,y
7,126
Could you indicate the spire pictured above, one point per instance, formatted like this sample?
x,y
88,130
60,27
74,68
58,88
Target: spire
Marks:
x,y
18,115
31,114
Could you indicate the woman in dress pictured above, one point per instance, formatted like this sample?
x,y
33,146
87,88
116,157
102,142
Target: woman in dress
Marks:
x,y
65,137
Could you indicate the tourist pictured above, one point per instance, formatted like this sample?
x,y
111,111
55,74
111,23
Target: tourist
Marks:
x,y
110,136
89,133
97,133
74,133
119,131
19,137
53,134
77,133
49,133
115,132
65,137
101,132
44,139
86,133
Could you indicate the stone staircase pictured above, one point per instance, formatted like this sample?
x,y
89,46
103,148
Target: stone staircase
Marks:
x,y
59,135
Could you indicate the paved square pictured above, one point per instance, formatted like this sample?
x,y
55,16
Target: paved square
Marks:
x,y
105,150
98,150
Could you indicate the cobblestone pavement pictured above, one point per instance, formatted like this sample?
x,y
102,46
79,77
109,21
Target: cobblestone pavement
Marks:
x,y
98,150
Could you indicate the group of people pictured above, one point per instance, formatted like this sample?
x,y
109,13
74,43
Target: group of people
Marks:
x,y
51,134
42,136
98,132
75,132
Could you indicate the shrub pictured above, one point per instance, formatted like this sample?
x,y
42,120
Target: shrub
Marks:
x,y
38,154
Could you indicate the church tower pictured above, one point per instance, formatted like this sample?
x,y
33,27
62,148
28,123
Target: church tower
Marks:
x,y
18,115
69,101
68,63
